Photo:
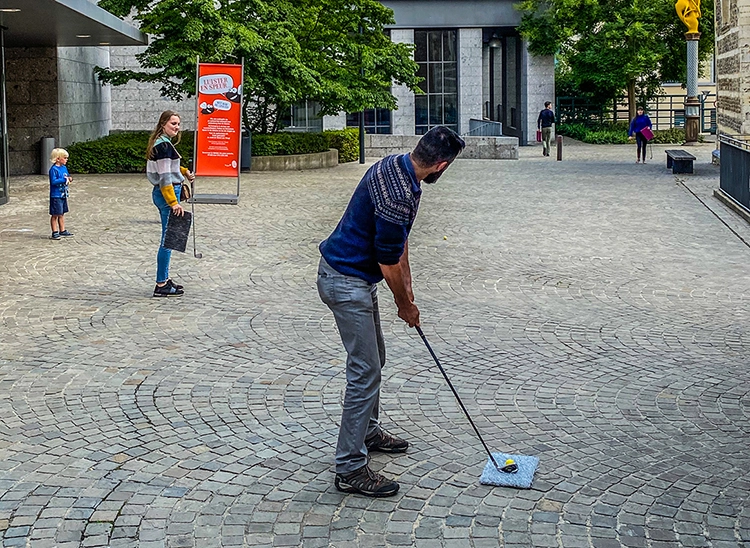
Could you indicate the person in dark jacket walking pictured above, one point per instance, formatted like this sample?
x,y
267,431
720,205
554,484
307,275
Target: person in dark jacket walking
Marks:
x,y
637,125
544,122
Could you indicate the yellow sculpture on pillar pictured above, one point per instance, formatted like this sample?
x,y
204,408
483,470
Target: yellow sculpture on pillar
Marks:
x,y
689,11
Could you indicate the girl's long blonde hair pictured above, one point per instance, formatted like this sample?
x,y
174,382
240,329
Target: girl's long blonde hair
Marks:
x,y
159,131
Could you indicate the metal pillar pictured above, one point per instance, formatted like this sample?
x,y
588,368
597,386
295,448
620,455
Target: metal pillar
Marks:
x,y
692,102
4,159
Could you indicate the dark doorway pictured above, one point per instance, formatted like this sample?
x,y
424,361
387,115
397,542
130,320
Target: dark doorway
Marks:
x,y
504,78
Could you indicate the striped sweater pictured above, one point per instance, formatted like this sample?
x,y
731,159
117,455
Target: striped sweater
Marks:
x,y
163,168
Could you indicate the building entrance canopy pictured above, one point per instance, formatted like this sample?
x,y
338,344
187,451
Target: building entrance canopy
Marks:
x,y
49,23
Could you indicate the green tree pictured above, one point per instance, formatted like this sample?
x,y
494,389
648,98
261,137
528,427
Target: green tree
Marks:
x,y
334,52
605,47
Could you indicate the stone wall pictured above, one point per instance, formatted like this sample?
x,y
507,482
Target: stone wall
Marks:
x,y
136,105
403,119
33,112
469,77
478,148
83,103
540,87
732,19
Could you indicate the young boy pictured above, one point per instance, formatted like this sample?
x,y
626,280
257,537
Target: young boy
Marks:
x,y
59,179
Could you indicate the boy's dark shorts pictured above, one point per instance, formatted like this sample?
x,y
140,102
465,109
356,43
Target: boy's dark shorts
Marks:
x,y
58,206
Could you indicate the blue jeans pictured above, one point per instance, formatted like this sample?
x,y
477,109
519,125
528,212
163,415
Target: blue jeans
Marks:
x,y
354,303
163,255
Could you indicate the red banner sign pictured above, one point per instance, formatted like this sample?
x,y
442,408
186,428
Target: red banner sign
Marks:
x,y
219,123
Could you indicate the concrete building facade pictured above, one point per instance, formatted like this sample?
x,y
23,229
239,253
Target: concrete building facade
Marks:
x,y
48,87
733,66
481,71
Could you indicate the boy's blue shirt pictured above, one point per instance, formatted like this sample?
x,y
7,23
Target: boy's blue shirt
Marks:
x,y
57,186
377,221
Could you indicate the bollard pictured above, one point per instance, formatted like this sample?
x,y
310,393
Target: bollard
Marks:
x,y
559,147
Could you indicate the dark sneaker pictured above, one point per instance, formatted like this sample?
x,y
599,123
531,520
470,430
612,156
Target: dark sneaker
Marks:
x,y
55,236
167,290
385,443
66,233
366,482
176,286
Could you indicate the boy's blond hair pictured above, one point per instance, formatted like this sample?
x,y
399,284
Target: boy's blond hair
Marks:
x,y
58,153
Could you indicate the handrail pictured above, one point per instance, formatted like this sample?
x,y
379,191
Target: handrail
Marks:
x,y
495,129
737,141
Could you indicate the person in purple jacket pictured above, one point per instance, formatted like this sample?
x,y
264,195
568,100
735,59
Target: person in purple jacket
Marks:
x,y
369,245
638,124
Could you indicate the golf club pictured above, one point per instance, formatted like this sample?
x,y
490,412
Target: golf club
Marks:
x,y
458,399
192,208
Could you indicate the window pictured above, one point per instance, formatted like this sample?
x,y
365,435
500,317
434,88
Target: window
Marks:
x,y
377,120
725,12
436,56
303,117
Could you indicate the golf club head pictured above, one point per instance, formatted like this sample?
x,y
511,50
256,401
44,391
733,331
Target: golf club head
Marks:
x,y
198,255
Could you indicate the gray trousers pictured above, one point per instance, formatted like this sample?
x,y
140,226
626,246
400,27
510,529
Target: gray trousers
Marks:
x,y
354,304
546,138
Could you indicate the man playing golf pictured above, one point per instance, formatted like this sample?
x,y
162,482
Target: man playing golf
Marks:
x,y
369,245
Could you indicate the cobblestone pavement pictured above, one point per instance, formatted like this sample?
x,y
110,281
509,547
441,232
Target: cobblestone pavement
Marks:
x,y
593,312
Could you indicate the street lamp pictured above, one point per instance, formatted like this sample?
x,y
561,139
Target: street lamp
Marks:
x,y
689,11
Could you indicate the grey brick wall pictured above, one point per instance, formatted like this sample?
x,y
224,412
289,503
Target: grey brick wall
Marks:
x,y
32,95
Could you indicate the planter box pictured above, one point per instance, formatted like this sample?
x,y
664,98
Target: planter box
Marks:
x,y
477,148
296,162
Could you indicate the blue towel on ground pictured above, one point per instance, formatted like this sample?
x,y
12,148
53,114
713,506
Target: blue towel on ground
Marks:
x,y
523,478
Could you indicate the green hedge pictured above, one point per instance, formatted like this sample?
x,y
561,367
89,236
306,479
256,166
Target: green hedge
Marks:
x,y
126,152
346,141
119,153
610,134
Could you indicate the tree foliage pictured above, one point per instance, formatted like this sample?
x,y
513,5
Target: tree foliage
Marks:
x,y
605,47
334,52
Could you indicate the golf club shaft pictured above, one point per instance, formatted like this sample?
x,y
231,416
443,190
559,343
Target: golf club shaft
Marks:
x,y
458,399
192,210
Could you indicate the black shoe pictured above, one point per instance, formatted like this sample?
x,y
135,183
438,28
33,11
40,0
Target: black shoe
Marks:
x,y
55,236
66,233
366,482
385,443
176,286
167,290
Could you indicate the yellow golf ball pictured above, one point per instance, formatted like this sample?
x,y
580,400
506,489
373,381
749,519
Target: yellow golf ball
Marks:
x,y
445,237
509,461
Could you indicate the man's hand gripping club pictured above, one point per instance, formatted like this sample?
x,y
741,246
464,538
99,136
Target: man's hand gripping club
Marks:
x,y
398,278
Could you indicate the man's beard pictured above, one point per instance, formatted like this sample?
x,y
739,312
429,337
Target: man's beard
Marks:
x,y
433,177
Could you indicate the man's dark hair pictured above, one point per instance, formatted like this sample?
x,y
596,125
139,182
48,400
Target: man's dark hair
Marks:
x,y
440,144
547,104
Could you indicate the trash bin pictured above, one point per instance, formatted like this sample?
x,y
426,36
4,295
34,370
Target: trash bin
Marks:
x,y
46,145
246,159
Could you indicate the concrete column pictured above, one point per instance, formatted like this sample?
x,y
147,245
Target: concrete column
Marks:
x,y
403,120
539,87
334,122
469,77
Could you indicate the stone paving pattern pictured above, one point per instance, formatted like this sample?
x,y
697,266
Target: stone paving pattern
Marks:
x,y
592,312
